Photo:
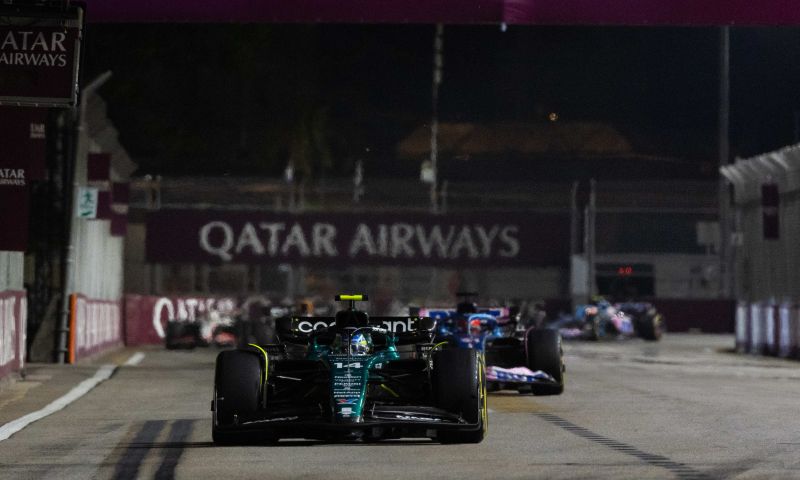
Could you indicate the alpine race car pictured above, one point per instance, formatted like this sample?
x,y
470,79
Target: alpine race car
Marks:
x,y
603,320
529,360
349,381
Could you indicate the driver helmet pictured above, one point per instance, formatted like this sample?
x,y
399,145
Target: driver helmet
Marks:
x,y
475,327
359,344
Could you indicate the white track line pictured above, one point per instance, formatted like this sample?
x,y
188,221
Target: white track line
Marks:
x,y
14,426
135,359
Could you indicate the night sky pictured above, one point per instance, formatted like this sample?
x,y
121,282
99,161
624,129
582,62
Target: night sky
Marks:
x,y
242,99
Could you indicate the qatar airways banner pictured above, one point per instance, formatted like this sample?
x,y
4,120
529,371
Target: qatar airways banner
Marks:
x,y
13,316
146,316
39,57
95,326
457,240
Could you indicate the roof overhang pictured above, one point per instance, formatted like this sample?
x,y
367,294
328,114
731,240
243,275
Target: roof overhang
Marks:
x,y
514,12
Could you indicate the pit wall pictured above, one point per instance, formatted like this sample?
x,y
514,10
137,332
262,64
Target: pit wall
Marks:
x,y
96,326
13,324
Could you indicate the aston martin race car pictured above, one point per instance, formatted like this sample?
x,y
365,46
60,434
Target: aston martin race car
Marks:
x,y
527,359
603,320
344,378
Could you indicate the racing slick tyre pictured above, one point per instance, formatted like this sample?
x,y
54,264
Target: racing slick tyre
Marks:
x,y
650,327
237,381
459,386
545,353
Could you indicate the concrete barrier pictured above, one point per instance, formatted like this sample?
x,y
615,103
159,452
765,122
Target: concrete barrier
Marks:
x,y
771,331
13,325
794,331
767,328
742,328
756,329
786,341
95,326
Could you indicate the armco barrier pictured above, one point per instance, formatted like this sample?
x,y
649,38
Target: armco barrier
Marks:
x,y
13,319
95,326
146,316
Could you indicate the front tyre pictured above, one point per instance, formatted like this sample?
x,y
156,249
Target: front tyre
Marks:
x,y
459,386
237,382
544,352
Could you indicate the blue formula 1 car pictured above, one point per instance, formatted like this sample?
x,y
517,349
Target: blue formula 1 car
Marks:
x,y
528,360
603,320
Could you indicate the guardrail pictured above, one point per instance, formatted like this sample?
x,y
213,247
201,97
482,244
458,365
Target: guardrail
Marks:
x,y
13,320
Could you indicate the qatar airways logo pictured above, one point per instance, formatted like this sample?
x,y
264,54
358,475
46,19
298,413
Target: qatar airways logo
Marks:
x,y
382,241
12,176
30,48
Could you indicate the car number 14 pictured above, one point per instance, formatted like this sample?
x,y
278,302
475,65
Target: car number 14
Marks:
x,y
347,365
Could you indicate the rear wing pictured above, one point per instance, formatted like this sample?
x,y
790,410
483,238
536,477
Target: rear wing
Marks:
x,y
502,314
398,325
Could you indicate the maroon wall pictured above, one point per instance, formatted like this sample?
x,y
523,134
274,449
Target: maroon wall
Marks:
x,y
681,315
95,327
708,316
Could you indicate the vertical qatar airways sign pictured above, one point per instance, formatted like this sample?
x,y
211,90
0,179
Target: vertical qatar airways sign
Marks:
x,y
40,57
458,240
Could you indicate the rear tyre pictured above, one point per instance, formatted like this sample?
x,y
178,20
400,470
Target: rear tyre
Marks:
x,y
650,327
459,386
545,353
237,382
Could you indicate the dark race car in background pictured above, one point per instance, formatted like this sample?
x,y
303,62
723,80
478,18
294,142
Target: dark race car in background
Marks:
x,y
237,327
604,320
210,328
527,359
348,380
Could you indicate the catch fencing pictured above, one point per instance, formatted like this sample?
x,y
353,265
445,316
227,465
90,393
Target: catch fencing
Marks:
x,y
766,260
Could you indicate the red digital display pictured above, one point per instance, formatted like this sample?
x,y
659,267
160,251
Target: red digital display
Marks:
x,y
625,271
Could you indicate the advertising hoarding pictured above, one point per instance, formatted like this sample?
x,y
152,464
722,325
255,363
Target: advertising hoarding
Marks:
x,y
40,56
508,239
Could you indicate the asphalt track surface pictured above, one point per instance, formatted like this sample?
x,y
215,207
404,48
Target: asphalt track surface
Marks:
x,y
679,409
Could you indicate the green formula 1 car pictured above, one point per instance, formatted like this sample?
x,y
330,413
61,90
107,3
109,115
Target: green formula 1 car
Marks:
x,y
350,377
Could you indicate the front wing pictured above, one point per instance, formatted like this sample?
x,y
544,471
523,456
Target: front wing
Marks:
x,y
387,421
518,375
